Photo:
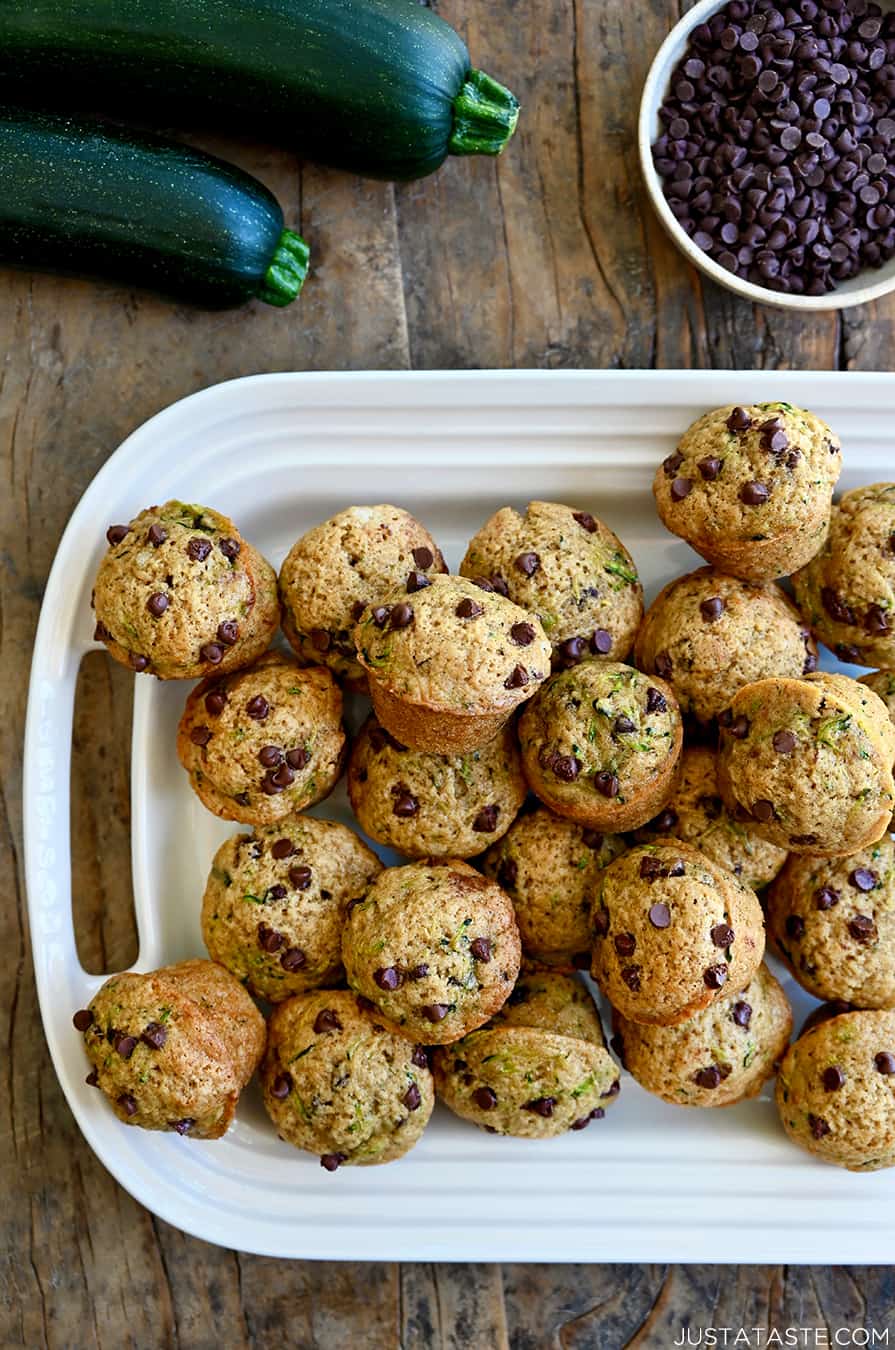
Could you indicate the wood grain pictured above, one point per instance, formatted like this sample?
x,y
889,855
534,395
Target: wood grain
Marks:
x,y
546,258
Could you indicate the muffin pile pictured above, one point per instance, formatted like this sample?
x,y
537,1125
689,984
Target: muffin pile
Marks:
x,y
575,786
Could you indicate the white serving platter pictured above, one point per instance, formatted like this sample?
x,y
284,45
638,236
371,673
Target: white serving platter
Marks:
x,y
651,1182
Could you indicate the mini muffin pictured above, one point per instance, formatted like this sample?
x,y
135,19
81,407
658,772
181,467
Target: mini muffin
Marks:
x,y
708,634
847,591
449,661
264,742
276,900
833,921
673,932
181,594
435,947
750,488
601,744
173,1049
836,1091
719,1056
808,763
338,1084
539,1068
429,806
548,865
695,813
567,567
338,568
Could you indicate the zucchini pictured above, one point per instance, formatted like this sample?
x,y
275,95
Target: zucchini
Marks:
x,y
95,200
379,87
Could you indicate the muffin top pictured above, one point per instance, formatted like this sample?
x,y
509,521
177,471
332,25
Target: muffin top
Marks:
x,y
695,813
342,565
453,647
836,1090
176,589
435,947
602,728
672,930
749,473
708,634
847,592
428,805
834,921
809,763
567,567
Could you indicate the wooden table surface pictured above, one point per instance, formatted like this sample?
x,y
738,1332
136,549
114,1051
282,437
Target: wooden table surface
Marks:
x,y
549,257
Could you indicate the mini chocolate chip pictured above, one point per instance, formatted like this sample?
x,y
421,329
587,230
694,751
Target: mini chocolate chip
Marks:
x,y
795,926
623,726
601,641
401,616
101,632
115,533
541,1106
128,1104
124,1045
157,604
709,468
277,780
297,758
228,632
281,1086
613,1089
282,848
471,609
625,944
606,783
270,756
419,1057
847,651
327,1020
82,1019
418,972
269,940
651,868
592,839
417,581
681,488
601,922
154,1035
522,635
565,767
485,1098
739,728
722,935
357,610
826,898
435,1012
486,820
876,620
412,1098
818,1126
293,958
708,1078
836,607
379,614
885,1062
388,977
405,804
712,608
300,877
664,666
833,1078
331,1162
215,702
508,872
585,520
863,879
423,557
676,869
754,494
784,742
659,915
212,652
257,707
715,977
139,662
200,735
198,549
738,420
572,651
631,977
276,892
763,809
742,1014
157,535
672,463
527,564
92,1079
230,549
665,821
862,928
655,700
517,678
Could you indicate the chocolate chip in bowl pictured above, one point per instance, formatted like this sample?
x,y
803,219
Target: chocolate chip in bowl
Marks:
x,y
767,141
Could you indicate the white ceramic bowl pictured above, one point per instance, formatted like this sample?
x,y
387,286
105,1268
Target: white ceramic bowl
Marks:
x,y
870,284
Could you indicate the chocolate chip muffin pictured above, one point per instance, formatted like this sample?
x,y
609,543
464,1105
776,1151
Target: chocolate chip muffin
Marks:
x,y
276,900
808,763
833,921
539,1068
567,567
264,742
601,743
173,1049
750,488
836,1091
435,947
338,1084
719,1056
673,932
847,591
429,806
449,661
548,865
695,813
338,568
180,594
708,634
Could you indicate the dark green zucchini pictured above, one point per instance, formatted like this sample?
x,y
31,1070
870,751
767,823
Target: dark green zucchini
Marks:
x,y
94,200
381,87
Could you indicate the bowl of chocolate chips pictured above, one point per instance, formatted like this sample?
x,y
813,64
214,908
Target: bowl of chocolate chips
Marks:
x,y
767,140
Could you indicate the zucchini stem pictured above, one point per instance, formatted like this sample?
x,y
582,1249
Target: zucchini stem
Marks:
x,y
485,116
288,268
